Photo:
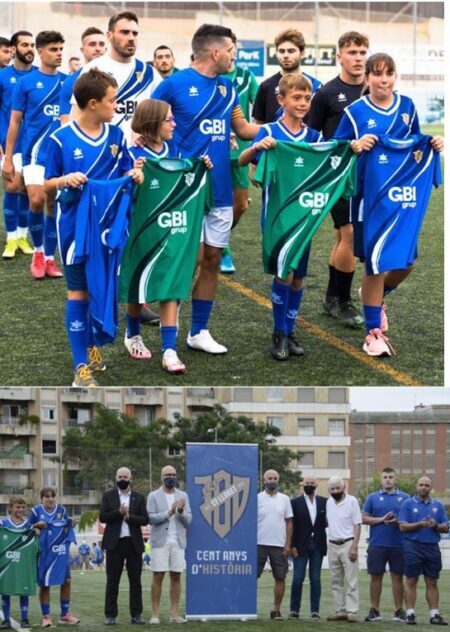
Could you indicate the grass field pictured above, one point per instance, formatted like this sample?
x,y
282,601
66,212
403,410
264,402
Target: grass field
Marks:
x,y
35,351
89,589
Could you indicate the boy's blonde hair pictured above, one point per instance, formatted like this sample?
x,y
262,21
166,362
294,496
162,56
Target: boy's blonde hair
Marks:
x,y
16,500
293,82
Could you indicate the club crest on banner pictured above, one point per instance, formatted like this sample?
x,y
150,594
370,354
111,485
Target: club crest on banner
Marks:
x,y
225,498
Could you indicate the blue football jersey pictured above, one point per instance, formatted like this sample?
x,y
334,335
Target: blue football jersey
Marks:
x,y
8,82
9,524
279,131
103,158
40,514
167,151
37,97
203,108
55,541
66,93
397,182
364,117
100,236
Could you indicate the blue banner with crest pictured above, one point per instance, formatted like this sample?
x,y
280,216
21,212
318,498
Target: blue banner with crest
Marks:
x,y
221,555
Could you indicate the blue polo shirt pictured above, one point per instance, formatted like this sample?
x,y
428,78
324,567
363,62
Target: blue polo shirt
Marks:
x,y
414,510
379,504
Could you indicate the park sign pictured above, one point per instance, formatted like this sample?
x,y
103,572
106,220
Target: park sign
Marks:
x,y
221,555
250,55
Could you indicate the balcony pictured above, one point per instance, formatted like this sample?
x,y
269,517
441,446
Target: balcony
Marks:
x,y
86,395
144,396
6,491
200,397
76,495
17,394
16,459
76,423
11,426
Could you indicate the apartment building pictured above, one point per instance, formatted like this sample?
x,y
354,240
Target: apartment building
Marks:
x,y
314,423
412,442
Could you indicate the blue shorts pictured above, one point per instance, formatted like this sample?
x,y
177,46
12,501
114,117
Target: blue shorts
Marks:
x,y
422,559
302,268
75,276
379,556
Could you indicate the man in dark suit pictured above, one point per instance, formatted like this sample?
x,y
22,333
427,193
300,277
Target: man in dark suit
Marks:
x,y
309,544
124,513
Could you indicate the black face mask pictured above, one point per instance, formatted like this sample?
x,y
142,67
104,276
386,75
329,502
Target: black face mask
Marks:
x,y
122,484
337,495
170,482
272,486
309,489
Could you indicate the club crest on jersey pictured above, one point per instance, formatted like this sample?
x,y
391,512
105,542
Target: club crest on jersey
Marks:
x,y
405,118
335,161
418,155
189,178
193,91
223,90
114,150
139,76
240,80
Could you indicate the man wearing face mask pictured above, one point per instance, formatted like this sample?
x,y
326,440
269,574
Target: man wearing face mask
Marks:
x,y
344,530
170,514
123,512
274,535
309,545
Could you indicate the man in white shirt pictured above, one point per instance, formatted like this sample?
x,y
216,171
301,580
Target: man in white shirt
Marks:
x,y
274,535
170,514
344,530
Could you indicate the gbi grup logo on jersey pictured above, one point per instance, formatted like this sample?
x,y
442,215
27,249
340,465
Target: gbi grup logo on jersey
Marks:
x,y
60,549
314,200
406,195
14,556
216,128
51,110
126,107
175,220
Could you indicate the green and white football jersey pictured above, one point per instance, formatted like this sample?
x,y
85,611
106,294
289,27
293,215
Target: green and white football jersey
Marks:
x,y
19,549
246,87
159,259
302,184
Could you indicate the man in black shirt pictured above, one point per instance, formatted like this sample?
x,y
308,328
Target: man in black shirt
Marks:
x,y
326,110
290,45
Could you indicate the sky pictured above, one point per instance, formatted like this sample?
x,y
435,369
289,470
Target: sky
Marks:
x,y
396,398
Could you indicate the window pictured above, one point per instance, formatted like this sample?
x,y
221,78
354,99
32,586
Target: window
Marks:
x,y
277,422
11,413
48,414
48,446
336,427
275,394
305,427
78,416
49,478
173,451
306,395
306,460
336,460
243,394
337,395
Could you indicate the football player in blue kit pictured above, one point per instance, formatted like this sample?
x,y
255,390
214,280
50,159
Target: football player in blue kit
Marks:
x,y
206,107
383,113
35,108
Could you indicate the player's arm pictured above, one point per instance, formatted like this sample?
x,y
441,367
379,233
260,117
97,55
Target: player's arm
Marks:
x,y
242,128
11,140
248,155
71,180
373,520
437,142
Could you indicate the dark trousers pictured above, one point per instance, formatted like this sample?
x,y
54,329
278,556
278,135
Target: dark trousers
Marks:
x,y
315,558
115,559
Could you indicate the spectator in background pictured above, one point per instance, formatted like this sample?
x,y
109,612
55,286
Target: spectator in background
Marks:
x,y
5,52
74,65
164,61
84,549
